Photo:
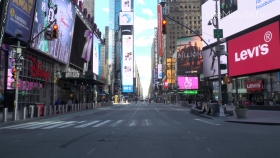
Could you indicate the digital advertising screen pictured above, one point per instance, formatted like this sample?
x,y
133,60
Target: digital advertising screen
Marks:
x,y
127,63
126,30
126,18
210,63
189,55
10,80
64,13
159,71
95,55
186,82
126,5
242,14
19,18
255,52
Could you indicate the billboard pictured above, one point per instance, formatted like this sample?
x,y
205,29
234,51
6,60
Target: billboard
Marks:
x,y
255,52
185,82
95,56
127,63
159,31
247,13
126,30
210,63
19,19
45,13
159,71
126,18
126,5
171,73
189,55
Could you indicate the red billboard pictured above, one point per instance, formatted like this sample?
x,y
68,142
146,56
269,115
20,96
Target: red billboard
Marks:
x,y
255,52
159,14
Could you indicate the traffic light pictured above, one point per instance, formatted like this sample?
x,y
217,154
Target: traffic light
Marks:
x,y
164,26
14,74
227,80
55,31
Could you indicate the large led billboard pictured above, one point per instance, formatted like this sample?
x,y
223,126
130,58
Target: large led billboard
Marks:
x,y
210,63
189,55
170,72
126,5
159,71
242,14
45,13
185,82
19,19
255,52
127,63
126,30
95,55
126,18
159,32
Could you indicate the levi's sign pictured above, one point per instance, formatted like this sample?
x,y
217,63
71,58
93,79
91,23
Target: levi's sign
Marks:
x,y
254,86
255,52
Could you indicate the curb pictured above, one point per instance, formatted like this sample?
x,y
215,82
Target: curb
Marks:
x,y
255,123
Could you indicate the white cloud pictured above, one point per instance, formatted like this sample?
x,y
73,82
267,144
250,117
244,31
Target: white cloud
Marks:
x,y
144,66
106,9
143,41
141,2
148,12
142,24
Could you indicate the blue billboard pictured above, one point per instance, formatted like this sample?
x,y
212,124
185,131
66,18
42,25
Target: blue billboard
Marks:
x,y
45,13
19,18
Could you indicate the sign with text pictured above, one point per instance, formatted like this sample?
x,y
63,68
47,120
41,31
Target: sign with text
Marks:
x,y
20,17
254,86
186,82
255,52
189,55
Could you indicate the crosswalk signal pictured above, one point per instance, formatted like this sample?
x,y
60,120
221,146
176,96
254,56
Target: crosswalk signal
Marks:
x,y
164,26
14,74
55,31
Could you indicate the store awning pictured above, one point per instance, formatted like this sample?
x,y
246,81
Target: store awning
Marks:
x,y
82,79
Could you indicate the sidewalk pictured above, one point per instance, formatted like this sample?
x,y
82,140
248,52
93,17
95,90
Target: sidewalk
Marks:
x,y
261,117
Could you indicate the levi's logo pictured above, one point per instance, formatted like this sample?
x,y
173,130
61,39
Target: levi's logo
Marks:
x,y
255,51
256,85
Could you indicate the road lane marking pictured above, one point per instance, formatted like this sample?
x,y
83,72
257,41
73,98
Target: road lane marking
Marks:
x,y
102,123
132,123
156,110
133,114
66,126
211,123
209,150
87,124
146,122
116,123
91,151
57,125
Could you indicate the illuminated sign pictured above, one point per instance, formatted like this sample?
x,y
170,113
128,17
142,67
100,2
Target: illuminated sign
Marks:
x,y
126,5
19,19
186,82
126,18
127,63
95,56
45,13
190,92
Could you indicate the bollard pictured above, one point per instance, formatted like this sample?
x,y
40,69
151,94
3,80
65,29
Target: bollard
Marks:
x,y
5,113
45,110
62,109
50,110
24,113
38,111
31,111
59,111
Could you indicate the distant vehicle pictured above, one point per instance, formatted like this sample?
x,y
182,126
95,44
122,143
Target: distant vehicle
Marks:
x,y
146,99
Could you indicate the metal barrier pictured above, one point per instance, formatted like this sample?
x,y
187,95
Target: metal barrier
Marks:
x,y
38,111
24,113
31,111
5,114
50,110
45,110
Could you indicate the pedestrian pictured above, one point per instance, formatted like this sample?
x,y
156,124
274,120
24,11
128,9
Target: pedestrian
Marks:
x,y
69,104
57,103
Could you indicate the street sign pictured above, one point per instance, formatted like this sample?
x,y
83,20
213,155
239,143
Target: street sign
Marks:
x,y
48,35
16,64
218,33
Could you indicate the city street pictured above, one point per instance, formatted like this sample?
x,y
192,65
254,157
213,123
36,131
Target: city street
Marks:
x,y
136,131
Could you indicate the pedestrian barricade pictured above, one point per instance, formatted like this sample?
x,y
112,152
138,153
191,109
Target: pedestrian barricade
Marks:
x,y
5,114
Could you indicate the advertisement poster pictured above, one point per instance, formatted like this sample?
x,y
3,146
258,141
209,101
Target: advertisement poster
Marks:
x,y
95,56
159,71
126,5
210,63
187,82
64,13
19,18
189,55
127,63
126,18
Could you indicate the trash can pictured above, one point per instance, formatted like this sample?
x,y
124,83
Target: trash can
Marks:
x,y
215,109
41,106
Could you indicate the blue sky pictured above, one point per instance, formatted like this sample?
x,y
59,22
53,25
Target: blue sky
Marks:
x,y
144,24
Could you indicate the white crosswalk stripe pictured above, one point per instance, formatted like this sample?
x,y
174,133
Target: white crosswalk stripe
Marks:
x,y
87,124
